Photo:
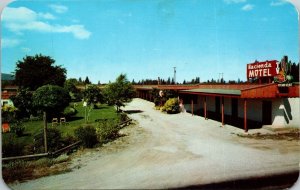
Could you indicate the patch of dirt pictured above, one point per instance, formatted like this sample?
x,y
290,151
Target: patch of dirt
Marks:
x,y
55,169
128,136
289,136
29,172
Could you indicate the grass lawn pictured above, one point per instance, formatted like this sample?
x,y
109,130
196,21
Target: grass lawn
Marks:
x,y
33,127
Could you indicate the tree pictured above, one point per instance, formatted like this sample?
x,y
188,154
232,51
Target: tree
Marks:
x,y
35,71
87,80
169,81
50,99
74,92
119,92
295,72
92,94
23,102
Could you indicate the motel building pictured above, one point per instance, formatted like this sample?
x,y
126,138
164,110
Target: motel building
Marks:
x,y
272,102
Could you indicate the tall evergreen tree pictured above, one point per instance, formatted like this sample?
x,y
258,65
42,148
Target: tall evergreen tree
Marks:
x,y
87,80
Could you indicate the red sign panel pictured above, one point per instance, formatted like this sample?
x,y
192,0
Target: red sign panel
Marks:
x,y
262,69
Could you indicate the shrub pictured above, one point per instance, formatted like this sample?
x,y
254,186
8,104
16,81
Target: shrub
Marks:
x,y
54,140
123,117
18,128
44,162
8,113
11,146
157,101
171,106
87,134
16,170
68,139
69,111
29,149
61,158
107,130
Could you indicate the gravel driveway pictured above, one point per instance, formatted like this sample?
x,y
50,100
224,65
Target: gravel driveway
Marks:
x,y
165,151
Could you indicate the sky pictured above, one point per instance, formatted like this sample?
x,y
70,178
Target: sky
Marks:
x,y
146,39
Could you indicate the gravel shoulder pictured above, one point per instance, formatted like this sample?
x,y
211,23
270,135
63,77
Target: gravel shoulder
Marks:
x,y
168,151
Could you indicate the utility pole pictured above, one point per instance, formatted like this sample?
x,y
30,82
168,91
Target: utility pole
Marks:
x,y
220,74
174,75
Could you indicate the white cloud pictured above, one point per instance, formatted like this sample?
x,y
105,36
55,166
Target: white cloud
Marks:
x,y
23,14
8,43
247,7
47,16
26,50
279,2
78,31
20,14
234,1
28,20
59,8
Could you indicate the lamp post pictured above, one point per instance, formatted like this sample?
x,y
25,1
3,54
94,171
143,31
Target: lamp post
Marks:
x,y
85,106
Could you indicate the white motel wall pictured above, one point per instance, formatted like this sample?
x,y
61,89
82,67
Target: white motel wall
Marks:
x,y
285,111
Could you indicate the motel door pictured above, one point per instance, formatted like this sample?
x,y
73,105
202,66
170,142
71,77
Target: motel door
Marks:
x,y
266,112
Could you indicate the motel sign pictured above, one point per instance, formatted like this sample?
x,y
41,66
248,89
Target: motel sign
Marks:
x,y
263,69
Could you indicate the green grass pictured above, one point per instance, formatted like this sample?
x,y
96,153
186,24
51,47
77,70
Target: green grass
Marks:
x,y
33,127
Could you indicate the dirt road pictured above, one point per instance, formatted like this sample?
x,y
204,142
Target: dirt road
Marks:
x,y
165,151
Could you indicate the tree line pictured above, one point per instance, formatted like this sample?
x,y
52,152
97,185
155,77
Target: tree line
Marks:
x,y
293,71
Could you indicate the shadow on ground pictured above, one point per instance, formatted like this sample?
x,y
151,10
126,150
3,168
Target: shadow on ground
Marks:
x,y
133,111
74,118
279,181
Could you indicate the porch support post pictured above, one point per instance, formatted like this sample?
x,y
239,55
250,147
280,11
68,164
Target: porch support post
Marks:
x,y
245,115
205,116
192,104
222,98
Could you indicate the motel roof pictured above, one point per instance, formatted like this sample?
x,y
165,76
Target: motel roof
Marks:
x,y
271,90
215,91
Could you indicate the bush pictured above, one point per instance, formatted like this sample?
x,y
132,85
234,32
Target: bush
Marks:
x,y
61,158
69,112
16,170
44,162
171,106
53,137
87,134
123,117
18,128
107,130
68,139
11,146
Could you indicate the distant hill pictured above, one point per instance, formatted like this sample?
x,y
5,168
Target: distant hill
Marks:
x,y
7,77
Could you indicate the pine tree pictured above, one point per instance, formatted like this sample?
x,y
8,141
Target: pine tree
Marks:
x,y
87,81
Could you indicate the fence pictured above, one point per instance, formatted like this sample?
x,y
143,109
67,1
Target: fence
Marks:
x,y
69,147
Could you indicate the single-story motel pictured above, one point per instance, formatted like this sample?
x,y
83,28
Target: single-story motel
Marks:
x,y
272,103
243,105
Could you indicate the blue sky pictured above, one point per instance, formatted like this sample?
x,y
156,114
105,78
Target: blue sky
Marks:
x,y
146,39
